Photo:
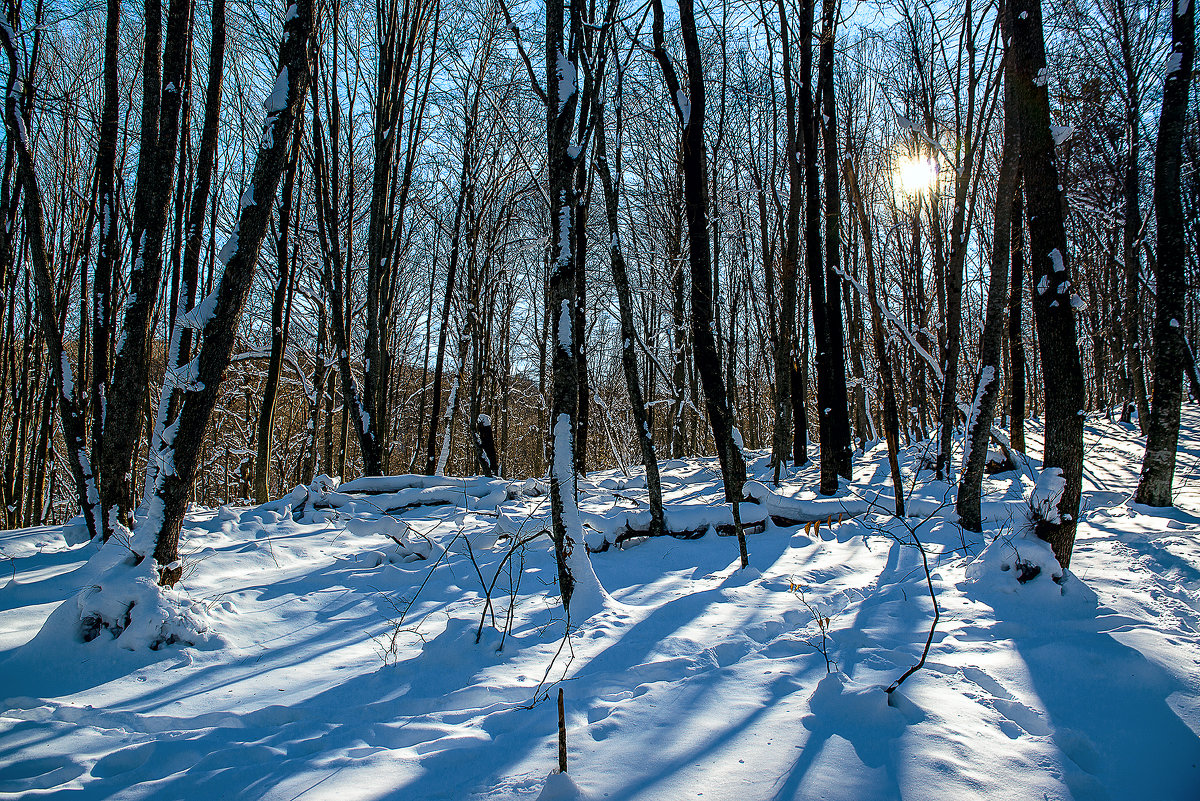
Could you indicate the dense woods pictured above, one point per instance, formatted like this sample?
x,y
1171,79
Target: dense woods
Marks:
x,y
247,244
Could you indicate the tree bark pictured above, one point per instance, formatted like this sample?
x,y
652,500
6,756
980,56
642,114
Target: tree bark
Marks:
x,y
1054,298
126,401
1170,350
1016,329
218,316
987,382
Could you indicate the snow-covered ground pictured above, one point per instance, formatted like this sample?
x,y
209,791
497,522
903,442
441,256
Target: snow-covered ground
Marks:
x,y
337,669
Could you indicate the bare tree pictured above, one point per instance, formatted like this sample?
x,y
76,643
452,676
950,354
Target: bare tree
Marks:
x,y
1162,441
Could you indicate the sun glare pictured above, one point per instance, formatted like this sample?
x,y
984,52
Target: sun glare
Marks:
x,y
914,175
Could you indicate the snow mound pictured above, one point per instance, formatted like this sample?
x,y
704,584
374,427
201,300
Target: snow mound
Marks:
x,y
1046,495
1020,561
1012,560
560,787
127,603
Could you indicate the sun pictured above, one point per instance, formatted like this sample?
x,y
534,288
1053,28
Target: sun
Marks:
x,y
914,175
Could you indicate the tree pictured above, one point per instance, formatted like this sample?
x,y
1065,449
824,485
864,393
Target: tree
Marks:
x,y
689,107
217,316
1054,299
1162,440
987,382
163,60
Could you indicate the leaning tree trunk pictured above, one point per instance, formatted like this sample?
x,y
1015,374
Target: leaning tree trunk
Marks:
x,y
180,348
431,454
60,364
628,333
126,402
690,108
1054,297
217,317
1162,441
891,415
987,383
955,267
281,313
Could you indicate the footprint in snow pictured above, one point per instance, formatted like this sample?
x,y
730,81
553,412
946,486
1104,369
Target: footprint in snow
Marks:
x,y
1005,703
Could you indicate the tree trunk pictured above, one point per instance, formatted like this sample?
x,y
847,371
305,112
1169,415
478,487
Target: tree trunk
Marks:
x,y
107,251
1054,298
785,346
987,383
891,416
629,364
281,303
218,316
690,108
126,402
1016,329
1162,441
837,402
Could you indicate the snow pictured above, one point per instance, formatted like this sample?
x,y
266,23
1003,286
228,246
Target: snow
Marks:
x,y
1056,260
564,326
347,652
566,80
684,104
278,99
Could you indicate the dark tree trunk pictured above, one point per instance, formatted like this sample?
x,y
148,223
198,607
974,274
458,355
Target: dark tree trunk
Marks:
x,y
1016,328
218,320
1170,350
813,257
561,76
107,251
690,108
785,345
281,308
126,403
839,411
439,363
629,363
1054,296
891,416
987,382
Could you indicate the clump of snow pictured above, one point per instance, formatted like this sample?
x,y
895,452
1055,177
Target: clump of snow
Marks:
x,y
1020,557
1013,559
321,488
126,604
1046,495
560,787
75,531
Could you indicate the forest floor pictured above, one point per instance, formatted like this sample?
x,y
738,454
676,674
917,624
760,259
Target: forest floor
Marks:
x,y
339,665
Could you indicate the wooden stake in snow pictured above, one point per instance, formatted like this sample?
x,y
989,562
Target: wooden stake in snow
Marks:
x,y
562,735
